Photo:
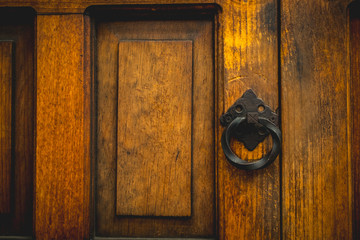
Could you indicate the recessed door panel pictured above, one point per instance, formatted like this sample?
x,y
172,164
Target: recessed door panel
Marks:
x,y
155,128
16,121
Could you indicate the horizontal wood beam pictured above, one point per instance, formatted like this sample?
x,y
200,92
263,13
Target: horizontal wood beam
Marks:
x,y
79,6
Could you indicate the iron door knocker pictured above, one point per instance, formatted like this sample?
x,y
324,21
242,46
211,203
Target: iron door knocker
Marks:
x,y
250,121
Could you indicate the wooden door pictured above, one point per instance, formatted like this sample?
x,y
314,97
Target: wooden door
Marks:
x,y
154,131
110,119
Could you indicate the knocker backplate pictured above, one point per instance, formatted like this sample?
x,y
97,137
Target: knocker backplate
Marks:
x,y
251,132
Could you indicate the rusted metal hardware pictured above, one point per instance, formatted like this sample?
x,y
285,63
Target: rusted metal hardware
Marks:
x,y
250,121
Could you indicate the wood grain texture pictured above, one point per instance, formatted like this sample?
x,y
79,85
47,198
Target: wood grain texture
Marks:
x,y
6,83
316,183
248,201
202,220
21,32
154,129
61,182
355,111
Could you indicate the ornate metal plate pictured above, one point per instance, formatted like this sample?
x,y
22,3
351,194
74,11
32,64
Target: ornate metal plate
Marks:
x,y
251,132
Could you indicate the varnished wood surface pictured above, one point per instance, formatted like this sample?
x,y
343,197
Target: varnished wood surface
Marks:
x,y
108,34
61,185
316,183
154,128
355,112
6,82
17,25
248,201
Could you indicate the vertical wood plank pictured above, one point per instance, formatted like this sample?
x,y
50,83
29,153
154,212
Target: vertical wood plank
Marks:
x,y
316,184
61,172
249,201
153,129
6,82
355,111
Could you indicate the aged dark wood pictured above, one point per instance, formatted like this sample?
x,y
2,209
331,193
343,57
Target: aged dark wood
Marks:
x,y
62,128
355,111
248,201
184,89
316,173
154,128
6,82
17,86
